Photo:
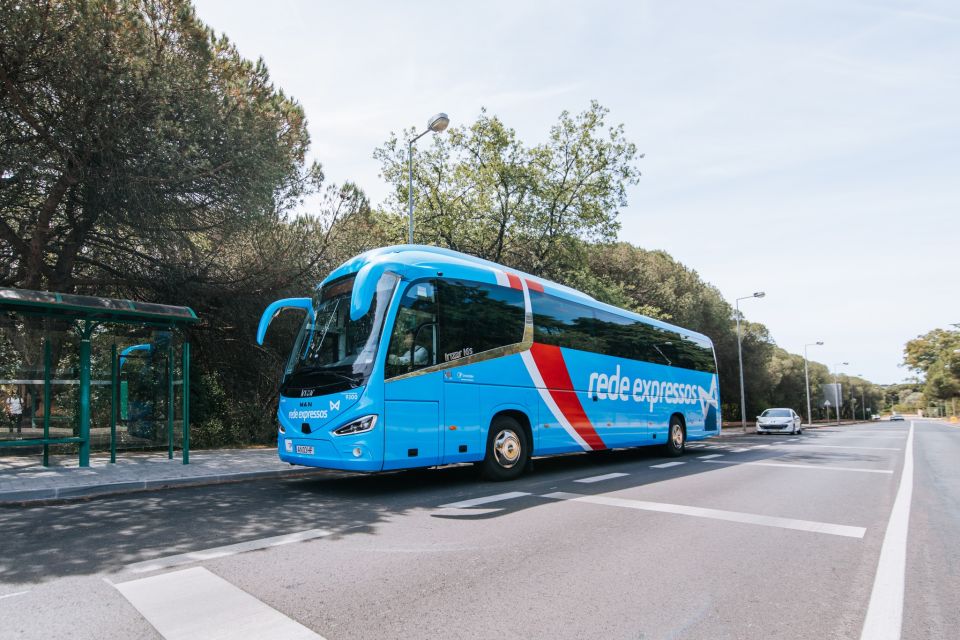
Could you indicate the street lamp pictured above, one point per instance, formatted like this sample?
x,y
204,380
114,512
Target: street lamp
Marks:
x,y
836,388
436,124
806,376
863,401
743,406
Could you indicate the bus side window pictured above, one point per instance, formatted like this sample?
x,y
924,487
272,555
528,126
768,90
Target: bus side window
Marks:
x,y
413,340
477,317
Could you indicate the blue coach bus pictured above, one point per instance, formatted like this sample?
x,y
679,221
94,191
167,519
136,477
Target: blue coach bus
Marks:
x,y
415,356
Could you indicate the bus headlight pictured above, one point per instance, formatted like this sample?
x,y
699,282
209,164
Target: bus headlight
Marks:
x,y
364,424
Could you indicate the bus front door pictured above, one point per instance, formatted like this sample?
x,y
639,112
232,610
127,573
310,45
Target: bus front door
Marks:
x,y
412,428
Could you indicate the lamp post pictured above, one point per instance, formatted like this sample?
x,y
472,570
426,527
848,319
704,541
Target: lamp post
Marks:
x,y
836,388
743,406
806,376
436,124
863,399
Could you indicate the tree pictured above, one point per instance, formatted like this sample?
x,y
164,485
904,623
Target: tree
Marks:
x,y
480,190
134,142
936,355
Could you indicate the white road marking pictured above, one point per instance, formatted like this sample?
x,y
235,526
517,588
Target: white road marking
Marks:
x,y
762,446
10,595
195,603
885,613
712,455
799,466
838,446
740,450
227,550
716,514
666,465
474,502
607,476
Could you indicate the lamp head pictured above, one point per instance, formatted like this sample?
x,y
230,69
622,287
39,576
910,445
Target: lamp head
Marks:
x,y
759,294
819,343
438,122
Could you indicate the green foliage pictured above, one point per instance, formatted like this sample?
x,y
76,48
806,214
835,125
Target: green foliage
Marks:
x,y
936,355
480,190
135,143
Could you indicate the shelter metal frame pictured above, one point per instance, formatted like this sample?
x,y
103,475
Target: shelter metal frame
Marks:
x,y
85,314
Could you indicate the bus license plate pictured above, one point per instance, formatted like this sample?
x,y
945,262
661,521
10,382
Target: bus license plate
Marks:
x,y
304,448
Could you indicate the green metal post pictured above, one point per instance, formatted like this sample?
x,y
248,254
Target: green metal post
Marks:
x,y
85,394
114,398
170,403
47,365
186,402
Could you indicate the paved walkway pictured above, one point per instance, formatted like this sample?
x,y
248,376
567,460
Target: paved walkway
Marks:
x,y
23,479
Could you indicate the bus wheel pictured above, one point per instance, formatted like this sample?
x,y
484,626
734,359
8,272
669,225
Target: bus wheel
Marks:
x,y
676,439
507,450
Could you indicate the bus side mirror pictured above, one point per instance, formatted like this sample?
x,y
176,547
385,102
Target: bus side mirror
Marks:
x,y
274,310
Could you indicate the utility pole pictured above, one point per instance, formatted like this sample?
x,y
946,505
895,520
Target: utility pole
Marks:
x,y
806,376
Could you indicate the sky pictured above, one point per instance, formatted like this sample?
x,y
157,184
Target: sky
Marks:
x,y
808,149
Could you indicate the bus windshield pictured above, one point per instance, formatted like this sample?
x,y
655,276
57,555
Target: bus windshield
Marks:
x,y
332,352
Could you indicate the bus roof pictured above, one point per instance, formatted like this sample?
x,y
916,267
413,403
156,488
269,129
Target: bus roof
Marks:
x,y
454,264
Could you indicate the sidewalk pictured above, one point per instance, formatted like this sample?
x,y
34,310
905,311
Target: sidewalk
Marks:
x,y
24,480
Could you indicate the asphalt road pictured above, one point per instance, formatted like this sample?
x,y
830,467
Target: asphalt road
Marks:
x,y
750,537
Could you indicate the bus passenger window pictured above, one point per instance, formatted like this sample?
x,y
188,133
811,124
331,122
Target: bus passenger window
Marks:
x,y
477,317
413,341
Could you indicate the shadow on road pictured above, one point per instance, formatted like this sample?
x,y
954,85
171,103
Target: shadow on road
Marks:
x,y
103,535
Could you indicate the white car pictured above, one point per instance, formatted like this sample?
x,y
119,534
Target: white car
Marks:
x,y
779,421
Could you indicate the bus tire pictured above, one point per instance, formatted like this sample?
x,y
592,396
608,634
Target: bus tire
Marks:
x,y
676,438
508,451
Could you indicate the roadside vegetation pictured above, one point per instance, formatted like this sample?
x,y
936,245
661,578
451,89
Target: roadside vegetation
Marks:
x,y
142,157
936,357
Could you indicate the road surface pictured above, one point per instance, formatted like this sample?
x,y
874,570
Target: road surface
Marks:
x,y
817,536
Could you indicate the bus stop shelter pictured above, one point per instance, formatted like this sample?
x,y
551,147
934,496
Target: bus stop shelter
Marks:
x,y
84,315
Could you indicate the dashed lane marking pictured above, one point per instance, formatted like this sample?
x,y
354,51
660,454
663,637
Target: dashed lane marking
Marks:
x,y
227,550
839,446
474,502
715,514
740,450
195,603
788,465
11,595
666,465
606,476
712,455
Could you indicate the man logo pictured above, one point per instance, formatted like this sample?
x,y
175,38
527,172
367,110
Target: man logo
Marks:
x,y
334,406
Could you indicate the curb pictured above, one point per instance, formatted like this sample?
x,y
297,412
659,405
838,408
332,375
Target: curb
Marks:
x,y
62,495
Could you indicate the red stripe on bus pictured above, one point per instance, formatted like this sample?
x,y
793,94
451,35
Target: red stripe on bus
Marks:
x,y
514,281
534,286
555,376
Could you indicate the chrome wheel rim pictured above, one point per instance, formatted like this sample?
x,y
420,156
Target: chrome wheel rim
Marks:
x,y
506,448
677,435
